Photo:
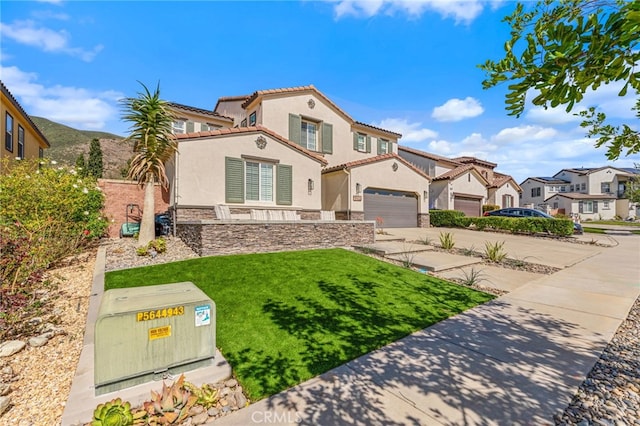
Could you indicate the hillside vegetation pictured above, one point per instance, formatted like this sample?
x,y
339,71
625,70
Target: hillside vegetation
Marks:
x,y
68,143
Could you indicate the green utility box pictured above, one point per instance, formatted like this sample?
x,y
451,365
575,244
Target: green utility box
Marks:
x,y
144,333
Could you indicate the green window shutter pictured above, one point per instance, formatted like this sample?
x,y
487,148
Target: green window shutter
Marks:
x,y
190,126
327,138
595,206
355,141
294,128
580,207
368,143
204,127
380,142
234,180
284,181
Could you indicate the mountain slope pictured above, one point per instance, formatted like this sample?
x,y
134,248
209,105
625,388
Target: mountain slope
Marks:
x,y
67,144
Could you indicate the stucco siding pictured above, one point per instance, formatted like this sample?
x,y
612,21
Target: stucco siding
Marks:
x,y
468,183
382,176
335,191
201,169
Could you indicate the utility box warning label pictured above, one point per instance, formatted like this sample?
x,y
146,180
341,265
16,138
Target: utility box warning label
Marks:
x,y
203,315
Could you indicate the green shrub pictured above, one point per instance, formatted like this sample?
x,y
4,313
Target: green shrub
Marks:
x,y
446,240
46,214
490,207
444,217
157,246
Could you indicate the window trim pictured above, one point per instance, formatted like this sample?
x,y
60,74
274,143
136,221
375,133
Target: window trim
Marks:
x,y
260,199
20,141
252,119
179,130
584,207
8,132
364,142
304,141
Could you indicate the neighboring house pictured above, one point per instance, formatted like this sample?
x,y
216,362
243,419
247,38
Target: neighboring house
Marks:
x,y
587,193
296,151
463,183
190,119
22,138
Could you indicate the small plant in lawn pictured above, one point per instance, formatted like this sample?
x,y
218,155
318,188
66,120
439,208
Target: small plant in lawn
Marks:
x,y
472,277
206,394
446,240
171,406
494,251
407,256
113,413
380,224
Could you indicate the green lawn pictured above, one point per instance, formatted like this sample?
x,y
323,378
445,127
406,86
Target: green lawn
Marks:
x,y
283,318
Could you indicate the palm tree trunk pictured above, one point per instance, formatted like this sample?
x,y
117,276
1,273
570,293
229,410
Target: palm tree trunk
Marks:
x,y
147,225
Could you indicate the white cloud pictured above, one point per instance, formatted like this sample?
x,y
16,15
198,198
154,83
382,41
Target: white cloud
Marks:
x,y
552,116
411,132
523,133
73,106
461,11
440,147
27,32
458,109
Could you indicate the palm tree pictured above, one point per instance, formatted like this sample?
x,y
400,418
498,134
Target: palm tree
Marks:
x,y
154,144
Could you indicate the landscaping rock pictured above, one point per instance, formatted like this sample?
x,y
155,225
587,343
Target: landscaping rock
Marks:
x,y
11,347
200,418
4,389
38,341
5,401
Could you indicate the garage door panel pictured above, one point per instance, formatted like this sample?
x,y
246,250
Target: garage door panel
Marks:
x,y
396,209
470,206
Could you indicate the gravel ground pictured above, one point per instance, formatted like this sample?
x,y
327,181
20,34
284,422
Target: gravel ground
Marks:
x,y
610,396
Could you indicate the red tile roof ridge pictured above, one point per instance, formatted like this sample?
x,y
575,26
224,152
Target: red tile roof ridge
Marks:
x,y
375,159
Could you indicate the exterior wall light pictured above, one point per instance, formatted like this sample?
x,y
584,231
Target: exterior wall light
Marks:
x,y
358,188
310,185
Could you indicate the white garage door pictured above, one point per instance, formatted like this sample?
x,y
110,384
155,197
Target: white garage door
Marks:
x,y
397,209
470,206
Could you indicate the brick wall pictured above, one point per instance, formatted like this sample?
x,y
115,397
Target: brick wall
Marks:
x,y
119,193
208,238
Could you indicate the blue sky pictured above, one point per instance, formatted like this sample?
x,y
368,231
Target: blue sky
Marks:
x,y
409,66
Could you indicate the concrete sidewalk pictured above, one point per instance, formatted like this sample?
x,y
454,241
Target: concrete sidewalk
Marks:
x,y
516,360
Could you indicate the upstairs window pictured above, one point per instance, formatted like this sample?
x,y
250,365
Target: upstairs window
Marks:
x,y
605,187
252,119
179,127
309,135
583,186
8,135
535,192
20,141
361,142
384,146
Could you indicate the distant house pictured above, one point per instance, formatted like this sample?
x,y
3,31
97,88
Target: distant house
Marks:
x,y
463,183
292,152
22,138
589,193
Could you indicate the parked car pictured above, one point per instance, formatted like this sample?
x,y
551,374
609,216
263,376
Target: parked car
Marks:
x,y
523,212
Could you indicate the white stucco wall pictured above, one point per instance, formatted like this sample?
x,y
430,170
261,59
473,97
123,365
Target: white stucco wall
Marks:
x,y
469,183
506,189
275,116
201,169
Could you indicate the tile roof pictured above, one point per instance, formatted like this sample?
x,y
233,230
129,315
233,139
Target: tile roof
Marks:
x,y
377,158
500,179
311,88
581,196
252,129
15,103
467,159
458,171
427,155
199,111
380,129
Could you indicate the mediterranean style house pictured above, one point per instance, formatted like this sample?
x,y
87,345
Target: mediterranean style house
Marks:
x,y
22,138
463,183
586,193
291,153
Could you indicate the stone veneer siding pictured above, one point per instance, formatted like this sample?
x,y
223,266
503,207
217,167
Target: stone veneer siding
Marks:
x,y
424,221
209,237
